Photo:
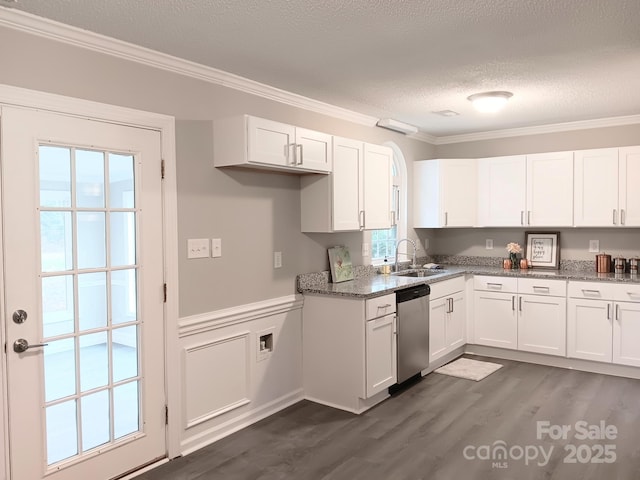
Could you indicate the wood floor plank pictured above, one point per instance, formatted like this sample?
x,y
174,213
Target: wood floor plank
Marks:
x,y
424,431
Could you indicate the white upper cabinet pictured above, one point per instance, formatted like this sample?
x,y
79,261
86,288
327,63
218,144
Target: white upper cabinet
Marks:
x,y
502,191
526,190
549,190
596,188
629,179
377,187
355,196
445,193
259,143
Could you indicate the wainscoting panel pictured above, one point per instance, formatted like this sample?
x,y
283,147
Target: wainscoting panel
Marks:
x,y
217,378
230,378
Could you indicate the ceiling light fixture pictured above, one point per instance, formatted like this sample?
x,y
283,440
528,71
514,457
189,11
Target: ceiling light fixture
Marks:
x,y
489,102
396,126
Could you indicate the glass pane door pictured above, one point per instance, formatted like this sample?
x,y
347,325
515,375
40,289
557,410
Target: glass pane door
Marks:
x,y
89,299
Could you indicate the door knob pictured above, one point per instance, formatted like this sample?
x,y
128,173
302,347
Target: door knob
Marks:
x,y
19,316
21,345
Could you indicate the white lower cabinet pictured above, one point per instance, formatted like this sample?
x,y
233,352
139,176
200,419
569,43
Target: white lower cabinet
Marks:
x,y
604,323
447,318
381,354
590,330
496,321
524,314
349,350
542,325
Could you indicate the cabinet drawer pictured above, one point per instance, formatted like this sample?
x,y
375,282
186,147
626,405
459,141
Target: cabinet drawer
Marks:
x,y
535,286
627,292
446,287
592,290
495,284
380,306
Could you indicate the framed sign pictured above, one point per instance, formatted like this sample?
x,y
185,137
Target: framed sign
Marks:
x,y
543,249
340,263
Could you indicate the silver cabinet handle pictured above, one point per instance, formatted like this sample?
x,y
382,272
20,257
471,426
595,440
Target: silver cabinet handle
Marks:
x,y
446,218
546,289
494,285
300,146
513,303
393,218
385,306
615,216
608,311
520,303
451,304
529,217
617,312
586,291
623,216
287,152
521,217
21,345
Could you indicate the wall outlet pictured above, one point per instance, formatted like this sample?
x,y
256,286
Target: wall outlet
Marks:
x,y
277,259
197,248
216,247
594,246
426,244
488,244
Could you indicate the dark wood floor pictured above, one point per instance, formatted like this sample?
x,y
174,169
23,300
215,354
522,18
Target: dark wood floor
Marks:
x,y
422,433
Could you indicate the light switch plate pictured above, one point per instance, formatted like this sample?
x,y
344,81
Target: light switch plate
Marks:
x,y
594,246
216,247
366,250
197,248
489,243
277,259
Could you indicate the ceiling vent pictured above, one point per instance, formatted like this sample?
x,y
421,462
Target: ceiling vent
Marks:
x,y
446,113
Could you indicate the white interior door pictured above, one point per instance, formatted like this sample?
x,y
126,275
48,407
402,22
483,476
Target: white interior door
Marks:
x,y
83,274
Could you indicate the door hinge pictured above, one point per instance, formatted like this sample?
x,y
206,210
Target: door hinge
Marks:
x,y
164,292
166,414
162,170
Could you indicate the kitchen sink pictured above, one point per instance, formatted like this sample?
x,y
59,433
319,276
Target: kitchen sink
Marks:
x,y
418,273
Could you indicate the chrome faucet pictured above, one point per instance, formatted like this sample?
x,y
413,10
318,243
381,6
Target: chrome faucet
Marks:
x,y
415,248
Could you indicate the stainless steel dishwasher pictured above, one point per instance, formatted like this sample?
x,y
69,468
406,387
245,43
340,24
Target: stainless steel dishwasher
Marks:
x,y
413,330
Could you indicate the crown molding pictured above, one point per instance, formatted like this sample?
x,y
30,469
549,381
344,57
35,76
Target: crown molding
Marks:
x,y
538,130
60,32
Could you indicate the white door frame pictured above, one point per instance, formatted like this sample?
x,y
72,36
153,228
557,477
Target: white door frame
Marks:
x,y
165,124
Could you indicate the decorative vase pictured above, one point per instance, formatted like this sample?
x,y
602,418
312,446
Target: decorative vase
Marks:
x,y
514,261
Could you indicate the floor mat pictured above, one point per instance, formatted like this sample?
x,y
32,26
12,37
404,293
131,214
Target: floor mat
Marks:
x,y
469,369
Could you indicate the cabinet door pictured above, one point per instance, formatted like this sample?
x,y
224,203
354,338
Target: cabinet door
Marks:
x,y
629,193
549,190
347,184
456,328
596,188
542,324
626,334
502,191
496,322
270,143
589,329
380,354
377,186
313,150
438,312
458,187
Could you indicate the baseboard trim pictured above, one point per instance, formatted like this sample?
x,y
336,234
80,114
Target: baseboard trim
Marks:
x,y
218,432
552,361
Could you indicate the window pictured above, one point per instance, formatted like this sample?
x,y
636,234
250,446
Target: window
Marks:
x,y
383,242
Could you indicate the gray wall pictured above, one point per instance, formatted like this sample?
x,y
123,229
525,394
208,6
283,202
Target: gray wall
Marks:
x,y
254,213
574,242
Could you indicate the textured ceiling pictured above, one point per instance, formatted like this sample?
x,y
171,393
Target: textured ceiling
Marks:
x,y
564,60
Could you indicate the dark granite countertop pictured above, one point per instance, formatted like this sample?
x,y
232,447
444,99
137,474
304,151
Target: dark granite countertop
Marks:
x,y
376,285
